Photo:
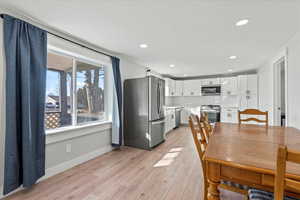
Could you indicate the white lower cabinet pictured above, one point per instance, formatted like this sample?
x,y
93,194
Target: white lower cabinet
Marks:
x,y
248,102
229,115
169,119
185,113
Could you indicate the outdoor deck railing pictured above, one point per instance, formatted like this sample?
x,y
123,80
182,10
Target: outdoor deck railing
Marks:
x,y
52,120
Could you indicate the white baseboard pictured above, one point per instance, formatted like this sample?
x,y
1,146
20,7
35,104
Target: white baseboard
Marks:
x,y
66,165
77,161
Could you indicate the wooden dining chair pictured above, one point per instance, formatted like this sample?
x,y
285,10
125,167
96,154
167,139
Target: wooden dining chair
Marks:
x,y
198,129
204,119
205,134
281,182
201,144
253,112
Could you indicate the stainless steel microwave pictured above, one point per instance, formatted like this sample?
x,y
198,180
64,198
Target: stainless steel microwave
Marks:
x,y
214,90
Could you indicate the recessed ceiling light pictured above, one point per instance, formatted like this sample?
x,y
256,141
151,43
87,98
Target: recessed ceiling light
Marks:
x,y
230,70
184,75
143,46
232,57
242,22
172,65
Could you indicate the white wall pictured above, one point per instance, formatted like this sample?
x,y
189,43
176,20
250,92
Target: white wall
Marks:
x,y
94,142
265,84
294,81
266,81
130,69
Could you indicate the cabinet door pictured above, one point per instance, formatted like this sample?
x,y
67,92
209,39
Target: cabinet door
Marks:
x,y
167,121
243,102
252,101
178,88
187,88
242,85
185,113
192,88
224,116
168,87
229,86
252,84
172,87
173,121
232,116
229,115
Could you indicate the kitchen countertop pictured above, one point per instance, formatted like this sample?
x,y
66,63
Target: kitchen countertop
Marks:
x,y
173,107
229,107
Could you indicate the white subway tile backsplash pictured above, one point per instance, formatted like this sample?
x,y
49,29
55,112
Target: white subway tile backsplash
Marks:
x,y
229,101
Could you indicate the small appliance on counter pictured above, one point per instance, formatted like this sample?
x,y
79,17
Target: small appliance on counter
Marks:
x,y
144,120
213,112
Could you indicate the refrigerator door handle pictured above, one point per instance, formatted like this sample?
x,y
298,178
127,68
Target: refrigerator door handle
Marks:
x,y
158,99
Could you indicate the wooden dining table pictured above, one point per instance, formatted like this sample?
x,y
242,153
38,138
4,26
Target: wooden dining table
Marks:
x,y
246,154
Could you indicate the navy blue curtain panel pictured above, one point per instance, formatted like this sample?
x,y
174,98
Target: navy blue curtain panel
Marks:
x,y
26,64
117,104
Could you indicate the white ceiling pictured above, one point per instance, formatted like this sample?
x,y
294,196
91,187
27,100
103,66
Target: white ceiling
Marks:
x,y
197,36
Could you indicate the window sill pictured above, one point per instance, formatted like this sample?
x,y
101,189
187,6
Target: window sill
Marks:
x,y
66,133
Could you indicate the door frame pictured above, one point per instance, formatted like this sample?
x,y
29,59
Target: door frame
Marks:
x,y
276,76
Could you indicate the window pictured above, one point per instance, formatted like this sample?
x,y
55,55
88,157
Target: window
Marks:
x,y
90,93
73,83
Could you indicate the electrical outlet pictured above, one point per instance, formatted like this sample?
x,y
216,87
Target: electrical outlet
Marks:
x,y
68,148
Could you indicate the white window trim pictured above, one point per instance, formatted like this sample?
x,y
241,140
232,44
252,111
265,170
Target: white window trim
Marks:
x,y
66,133
74,126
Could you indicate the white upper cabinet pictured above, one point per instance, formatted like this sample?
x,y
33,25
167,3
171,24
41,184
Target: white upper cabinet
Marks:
x,y
178,88
192,88
248,84
210,81
242,84
170,86
248,90
229,86
252,81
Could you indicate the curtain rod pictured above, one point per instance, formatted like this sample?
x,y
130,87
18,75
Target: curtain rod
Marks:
x,y
69,40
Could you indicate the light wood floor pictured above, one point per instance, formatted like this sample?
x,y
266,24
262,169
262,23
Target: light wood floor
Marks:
x,y
170,171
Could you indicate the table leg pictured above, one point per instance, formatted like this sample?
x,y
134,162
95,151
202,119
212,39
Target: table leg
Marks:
x,y
213,175
213,191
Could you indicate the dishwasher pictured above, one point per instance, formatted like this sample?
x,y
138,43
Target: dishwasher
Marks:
x,y
177,117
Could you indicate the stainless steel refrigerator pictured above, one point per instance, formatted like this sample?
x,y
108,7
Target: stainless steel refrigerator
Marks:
x,y
144,99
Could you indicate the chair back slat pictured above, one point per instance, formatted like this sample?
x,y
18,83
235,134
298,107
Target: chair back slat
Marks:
x,y
293,156
198,124
207,128
254,112
292,184
281,182
253,119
